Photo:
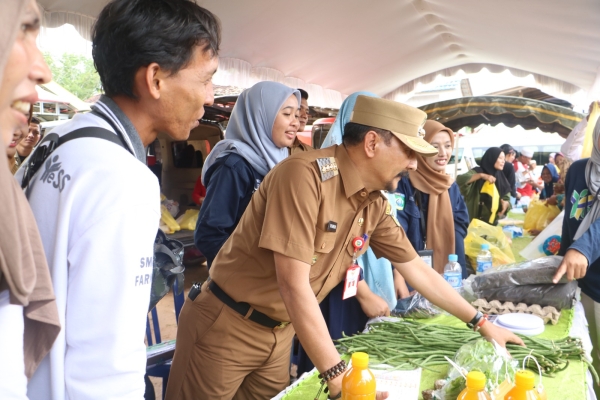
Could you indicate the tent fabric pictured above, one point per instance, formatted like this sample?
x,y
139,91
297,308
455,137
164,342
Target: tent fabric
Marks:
x,y
511,111
554,87
339,47
48,97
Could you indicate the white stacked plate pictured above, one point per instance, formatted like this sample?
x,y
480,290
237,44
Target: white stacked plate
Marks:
x,y
524,324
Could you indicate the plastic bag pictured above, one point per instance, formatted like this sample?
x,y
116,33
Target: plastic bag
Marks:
x,y
491,190
172,206
547,242
480,233
168,267
480,355
559,296
539,215
415,306
513,231
531,272
188,220
529,282
167,219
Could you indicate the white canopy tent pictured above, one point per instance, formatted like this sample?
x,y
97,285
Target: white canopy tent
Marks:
x,y
335,47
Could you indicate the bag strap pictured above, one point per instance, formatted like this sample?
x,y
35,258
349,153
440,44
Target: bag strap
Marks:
x,y
52,141
419,201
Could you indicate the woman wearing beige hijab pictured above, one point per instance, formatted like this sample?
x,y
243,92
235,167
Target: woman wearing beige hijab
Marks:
x,y
28,315
431,208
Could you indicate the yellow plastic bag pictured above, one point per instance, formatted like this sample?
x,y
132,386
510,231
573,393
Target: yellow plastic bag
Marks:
x,y
491,190
167,219
188,220
481,233
539,215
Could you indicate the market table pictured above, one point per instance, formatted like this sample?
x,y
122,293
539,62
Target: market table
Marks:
x,y
574,383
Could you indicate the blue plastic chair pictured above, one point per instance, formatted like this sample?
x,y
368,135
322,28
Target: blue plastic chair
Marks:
x,y
162,368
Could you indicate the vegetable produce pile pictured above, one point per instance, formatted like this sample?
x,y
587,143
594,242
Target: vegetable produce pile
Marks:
x,y
408,345
479,355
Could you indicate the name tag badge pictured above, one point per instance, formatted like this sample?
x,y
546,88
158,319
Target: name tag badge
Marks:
x,y
331,226
351,285
426,256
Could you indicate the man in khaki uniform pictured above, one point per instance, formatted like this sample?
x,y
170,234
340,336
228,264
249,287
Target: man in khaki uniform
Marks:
x,y
292,246
303,110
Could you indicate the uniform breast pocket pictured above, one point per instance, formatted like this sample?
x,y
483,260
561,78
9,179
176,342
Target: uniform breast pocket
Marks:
x,y
350,249
324,241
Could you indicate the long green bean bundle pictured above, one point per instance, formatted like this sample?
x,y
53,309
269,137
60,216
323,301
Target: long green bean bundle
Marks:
x,y
407,345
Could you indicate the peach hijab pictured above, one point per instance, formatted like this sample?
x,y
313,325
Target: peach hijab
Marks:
x,y
23,267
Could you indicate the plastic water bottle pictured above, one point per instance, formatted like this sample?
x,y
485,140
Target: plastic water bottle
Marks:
x,y
453,272
484,258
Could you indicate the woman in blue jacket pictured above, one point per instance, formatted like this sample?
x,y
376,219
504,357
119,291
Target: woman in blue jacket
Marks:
x,y
262,126
580,238
430,207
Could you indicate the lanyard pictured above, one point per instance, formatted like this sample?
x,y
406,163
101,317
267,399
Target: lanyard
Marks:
x,y
418,200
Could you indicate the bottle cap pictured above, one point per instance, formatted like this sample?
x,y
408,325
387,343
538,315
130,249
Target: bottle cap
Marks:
x,y
360,360
452,257
525,379
476,380
485,246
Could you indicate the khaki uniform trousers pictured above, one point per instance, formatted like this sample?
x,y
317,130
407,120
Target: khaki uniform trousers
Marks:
x,y
221,355
592,314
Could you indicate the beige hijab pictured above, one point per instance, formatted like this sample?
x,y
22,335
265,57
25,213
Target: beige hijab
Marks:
x,y
440,219
23,268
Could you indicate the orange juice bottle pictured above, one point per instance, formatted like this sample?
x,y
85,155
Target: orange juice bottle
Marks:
x,y
359,382
524,387
475,389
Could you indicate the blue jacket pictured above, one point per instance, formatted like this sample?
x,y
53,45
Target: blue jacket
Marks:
x,y
577,192
410,219
230,183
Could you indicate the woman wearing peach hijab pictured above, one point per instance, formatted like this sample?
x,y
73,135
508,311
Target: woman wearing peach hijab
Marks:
x,y
28,315
434,214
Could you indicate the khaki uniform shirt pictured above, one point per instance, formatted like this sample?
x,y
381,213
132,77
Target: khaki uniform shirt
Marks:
x,y
299,146
290,216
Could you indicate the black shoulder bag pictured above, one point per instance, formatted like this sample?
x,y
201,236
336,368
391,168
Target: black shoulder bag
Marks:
x,y
168,253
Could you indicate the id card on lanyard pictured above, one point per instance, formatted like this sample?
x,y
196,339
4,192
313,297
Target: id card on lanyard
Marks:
x,y
426,256
353,273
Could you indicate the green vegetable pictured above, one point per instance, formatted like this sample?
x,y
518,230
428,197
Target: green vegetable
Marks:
x,y
406,345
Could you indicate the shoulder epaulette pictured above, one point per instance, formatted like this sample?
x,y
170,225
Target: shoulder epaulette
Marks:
x,y
328,168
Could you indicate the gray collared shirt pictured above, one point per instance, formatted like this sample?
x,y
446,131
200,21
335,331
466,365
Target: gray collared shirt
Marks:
x,y
132,133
